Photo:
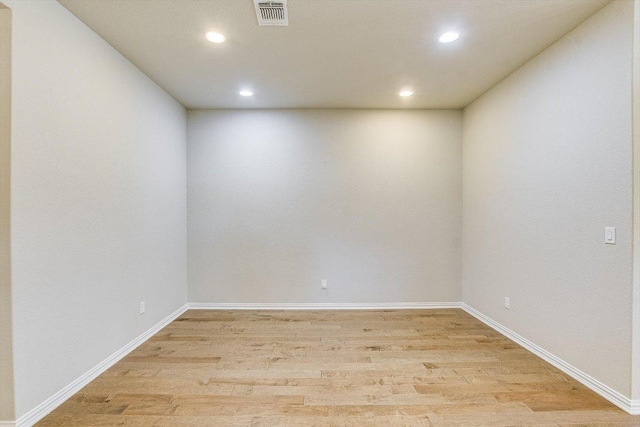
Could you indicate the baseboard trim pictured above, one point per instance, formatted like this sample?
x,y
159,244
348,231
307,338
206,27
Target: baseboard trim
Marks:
x,y
323,306
40,411
621,401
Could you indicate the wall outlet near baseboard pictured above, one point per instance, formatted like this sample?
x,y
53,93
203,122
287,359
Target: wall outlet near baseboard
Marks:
x,y
507,303
324,284
143,307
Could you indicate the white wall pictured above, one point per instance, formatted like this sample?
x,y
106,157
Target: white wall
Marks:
x,y
547,165
635,392
280,199
98,200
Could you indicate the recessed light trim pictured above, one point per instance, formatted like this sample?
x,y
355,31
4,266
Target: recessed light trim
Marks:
x,y
214,37
406,93
245,92
448,37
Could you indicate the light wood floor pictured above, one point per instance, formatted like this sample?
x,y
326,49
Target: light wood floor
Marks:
x,y
340,368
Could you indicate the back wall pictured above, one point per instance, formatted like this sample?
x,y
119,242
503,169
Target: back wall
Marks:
x,y
369,200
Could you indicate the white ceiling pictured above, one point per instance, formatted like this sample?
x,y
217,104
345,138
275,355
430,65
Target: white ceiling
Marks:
x,y
334,53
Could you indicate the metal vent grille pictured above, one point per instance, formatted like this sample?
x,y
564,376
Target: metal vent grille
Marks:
x,y
271,12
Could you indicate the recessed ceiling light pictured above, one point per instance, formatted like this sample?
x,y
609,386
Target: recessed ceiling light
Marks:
x,y
245,93
448,37
214,37
406,93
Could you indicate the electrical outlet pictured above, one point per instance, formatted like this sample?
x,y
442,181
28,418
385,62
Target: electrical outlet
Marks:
x,y
142,307
507,303
324,283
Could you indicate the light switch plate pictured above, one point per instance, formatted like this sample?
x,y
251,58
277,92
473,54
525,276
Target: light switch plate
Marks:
x,y
610,235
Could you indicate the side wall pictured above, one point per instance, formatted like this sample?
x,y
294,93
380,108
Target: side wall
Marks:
x,y
547,165
6,344
98,201
635,392
280,199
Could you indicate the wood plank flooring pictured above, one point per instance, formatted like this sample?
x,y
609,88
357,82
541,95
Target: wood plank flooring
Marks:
x,y
333,368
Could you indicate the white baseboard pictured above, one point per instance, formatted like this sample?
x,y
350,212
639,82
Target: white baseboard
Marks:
x,y
621,401
323,306
40,411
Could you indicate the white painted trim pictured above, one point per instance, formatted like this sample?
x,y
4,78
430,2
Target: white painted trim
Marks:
x,y
40,411
621,401
322,306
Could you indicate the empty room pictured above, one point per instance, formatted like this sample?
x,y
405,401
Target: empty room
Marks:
x,y
319,213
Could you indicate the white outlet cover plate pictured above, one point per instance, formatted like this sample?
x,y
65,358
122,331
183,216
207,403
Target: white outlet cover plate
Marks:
x,y
610,235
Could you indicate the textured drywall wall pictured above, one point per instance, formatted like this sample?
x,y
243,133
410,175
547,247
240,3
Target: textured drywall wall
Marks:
x,y
6,345
635,391
98,200
280,199
547,166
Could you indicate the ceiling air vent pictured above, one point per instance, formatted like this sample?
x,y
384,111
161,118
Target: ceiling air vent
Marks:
x,y
272,12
